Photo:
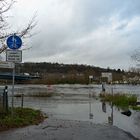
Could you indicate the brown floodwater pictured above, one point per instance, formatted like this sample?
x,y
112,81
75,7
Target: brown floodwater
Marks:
x,y
72,102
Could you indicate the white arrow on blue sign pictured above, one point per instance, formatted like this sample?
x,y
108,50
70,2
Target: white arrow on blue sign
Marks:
x,y
14,42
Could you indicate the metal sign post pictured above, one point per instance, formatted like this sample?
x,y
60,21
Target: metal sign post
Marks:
x,y
14,42
13,85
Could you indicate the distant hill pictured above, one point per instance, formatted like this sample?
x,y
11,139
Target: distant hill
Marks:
x,y
55,73
45,67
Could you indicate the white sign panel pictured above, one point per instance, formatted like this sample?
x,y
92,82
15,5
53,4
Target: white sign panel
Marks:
x,y
90,76
107,75
8,65
14,56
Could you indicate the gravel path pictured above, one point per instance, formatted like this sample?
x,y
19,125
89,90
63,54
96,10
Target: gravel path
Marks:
x,y
56,129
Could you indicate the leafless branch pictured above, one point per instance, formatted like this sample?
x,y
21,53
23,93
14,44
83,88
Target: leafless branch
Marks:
x,y
136,55
5,6
26,32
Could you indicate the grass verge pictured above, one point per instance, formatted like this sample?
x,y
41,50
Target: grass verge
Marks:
x,y
22,117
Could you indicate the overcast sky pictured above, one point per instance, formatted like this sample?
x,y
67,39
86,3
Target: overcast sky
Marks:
x,y
101,33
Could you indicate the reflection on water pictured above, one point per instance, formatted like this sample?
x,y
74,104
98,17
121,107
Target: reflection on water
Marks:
x,y
77,103
104,106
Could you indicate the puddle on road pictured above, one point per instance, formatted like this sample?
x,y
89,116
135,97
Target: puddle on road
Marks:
x,y
84,109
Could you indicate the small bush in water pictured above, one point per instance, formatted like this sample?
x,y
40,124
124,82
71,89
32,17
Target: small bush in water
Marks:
x,y
120,100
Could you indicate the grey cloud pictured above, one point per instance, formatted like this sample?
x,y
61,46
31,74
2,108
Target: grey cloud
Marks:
x,y
87,34
122,26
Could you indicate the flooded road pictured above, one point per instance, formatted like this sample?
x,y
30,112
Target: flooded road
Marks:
x,y
72,102
75,89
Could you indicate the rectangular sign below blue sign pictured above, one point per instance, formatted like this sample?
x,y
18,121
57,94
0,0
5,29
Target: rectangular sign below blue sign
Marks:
x,y
14,56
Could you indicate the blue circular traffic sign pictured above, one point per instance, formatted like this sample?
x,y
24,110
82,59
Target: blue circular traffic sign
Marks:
x,y
14,42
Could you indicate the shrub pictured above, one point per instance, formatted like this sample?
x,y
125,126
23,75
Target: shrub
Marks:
x,y
120,100
22,117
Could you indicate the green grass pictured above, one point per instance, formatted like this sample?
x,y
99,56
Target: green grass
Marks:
x,y
22,117
135,108
120,100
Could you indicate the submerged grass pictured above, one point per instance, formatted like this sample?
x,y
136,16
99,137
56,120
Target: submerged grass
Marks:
x,y
120,100
135,108
41,94
22,117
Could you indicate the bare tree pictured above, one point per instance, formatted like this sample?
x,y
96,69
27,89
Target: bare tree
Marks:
x,y
5,6
136,55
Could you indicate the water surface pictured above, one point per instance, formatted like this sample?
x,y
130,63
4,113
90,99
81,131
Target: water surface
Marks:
x,y
72,102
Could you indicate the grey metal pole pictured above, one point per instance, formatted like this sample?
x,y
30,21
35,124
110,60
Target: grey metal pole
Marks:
x,y
22,97
13,84
6,98
112,116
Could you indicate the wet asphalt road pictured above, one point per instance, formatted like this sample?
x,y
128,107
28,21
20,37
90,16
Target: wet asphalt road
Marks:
x,y
56,129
